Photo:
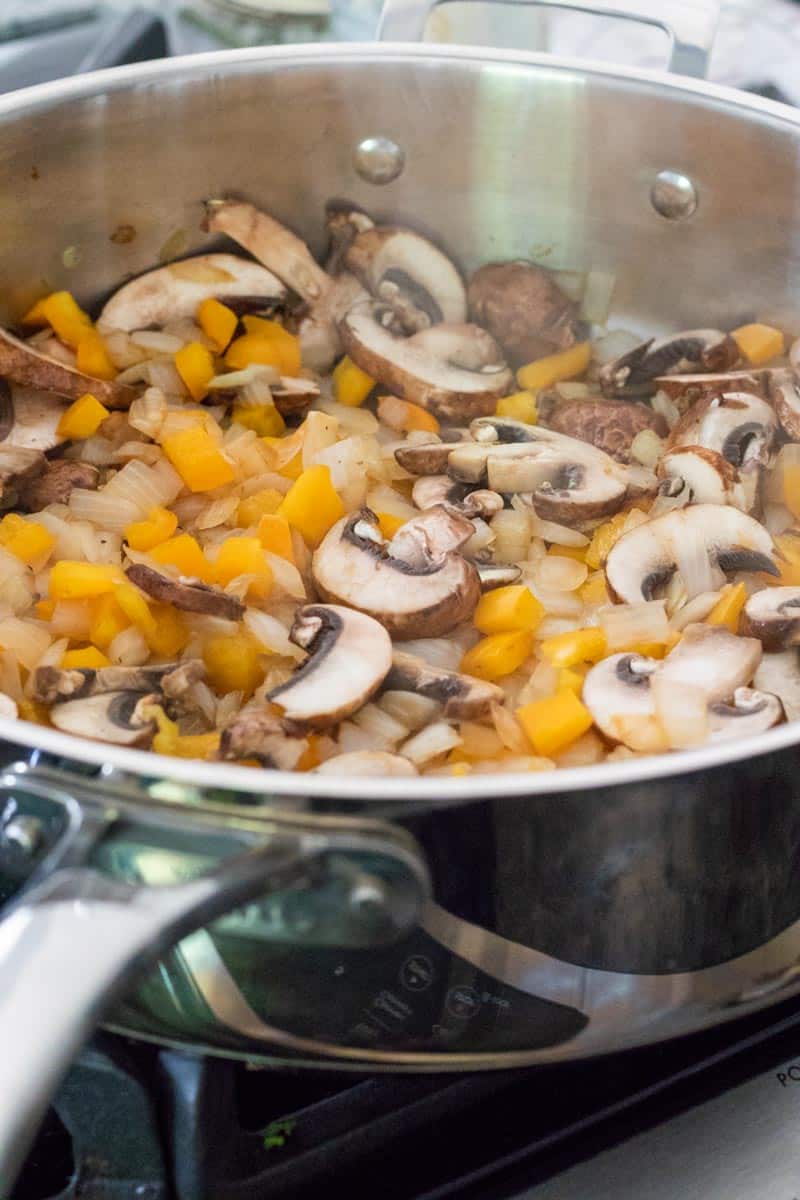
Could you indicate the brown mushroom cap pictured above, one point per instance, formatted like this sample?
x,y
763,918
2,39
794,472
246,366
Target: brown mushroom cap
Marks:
x,y
26,365
258,733
523,308
773,616
56,483
192,596
18,468
406,273
280,250
686,390
610,425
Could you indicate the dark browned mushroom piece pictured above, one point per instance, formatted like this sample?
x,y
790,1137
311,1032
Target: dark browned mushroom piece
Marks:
x,y
344,221
686,390
257,733
188,595
634,373
524,309
18,467
609,425
56,483
51,684
24,364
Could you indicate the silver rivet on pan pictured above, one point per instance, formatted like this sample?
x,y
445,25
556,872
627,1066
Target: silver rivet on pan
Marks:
x,y
378,159
24,833
673,195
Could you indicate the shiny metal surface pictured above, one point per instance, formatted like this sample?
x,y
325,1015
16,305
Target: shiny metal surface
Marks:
x,y
690,24
673,195
378,160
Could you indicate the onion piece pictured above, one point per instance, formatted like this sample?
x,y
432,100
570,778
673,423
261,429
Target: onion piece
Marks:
x,y
571,283
647,448
431,742
630,624
597,294
270,633
411,710
556,572
682,711
613,345
696,609
129,649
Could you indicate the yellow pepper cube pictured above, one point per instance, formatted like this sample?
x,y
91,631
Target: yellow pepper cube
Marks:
x,y
791,489
554,723
87,658
183,552
569,649
498,655
544,372
729,606
389,524
29,541
198,460
195,366
571,678
93,357
312,504
263,419
44,609
83,418
576,552
243,556
169,633
508,608
521,406
217,321
260,504
406,417
604,538
267,343
351,385
145,535
64,316
758,343
107,620
594,592
233,664
275,535
80,580
135,607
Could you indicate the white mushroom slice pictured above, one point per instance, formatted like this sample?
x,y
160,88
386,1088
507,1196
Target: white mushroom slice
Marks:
x,y
464,697
344,221
708,476
349,658
117,717
29,418
784,391
633,374
496,575
430,458
352,566
686,390
22,363
701,542
617,693
320,343
713,660
367,762
51,684
432,490
458,374
738,425
410,276
773,615
175,291
750,712
505,429
779,674
280,250
428,537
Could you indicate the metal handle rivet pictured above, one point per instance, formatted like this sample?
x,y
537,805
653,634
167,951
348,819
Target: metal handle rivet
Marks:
x,y
378,159
24,833
673,195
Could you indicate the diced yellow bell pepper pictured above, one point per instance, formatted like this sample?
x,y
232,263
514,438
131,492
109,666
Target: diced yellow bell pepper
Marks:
x,y
498,655
260,504
159,525
217,321
568,649
79,580
729,606
87,658
604,537
647,649
594,591
275,536
233,663
791,490
389,524
135,607
310,757
243,556
508,608
789,546
183,553
32,710
169,634
544,372
83,418
265,342
576,552
169,739
521,406
64,316
44,609
285,454
93,357
406,417
571,678
27,540
554,723
312,504
263,419
195,365
758,343
198,460
351,385
107,620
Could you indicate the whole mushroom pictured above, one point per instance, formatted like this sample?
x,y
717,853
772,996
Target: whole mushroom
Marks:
x,y
609,425
524,309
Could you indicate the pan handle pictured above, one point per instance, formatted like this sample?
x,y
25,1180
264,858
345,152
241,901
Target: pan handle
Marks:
x,y
689,24
74,942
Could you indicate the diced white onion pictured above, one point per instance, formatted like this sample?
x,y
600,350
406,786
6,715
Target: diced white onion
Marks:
x,y
270,633
665,407
129,649
255,373
682,711
156,342
556,572
481,539
512,531
597,294
588,749
408,708
27,639
437,652
319,432
509,730
122,351
286,576
696,609
542,682
613,345
217,512
627,624
787,459
352,739
571,283
647,448
553,626
385,499
572,389
777,518
162,373
430,743
384,727
354,420
693,561
549,531
71,619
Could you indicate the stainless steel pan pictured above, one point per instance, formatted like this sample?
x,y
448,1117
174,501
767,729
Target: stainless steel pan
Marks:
x,y
421,924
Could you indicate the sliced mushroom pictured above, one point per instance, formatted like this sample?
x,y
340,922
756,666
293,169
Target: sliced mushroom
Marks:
x,y
318,328
523,308
188,595
773,615
428,537
56,483
352,566
701,542
609,425
118,717
617,693
415,283
784,392
496,575
433,490
344,221
634,373
504,430
430,458
350,655
18,468
463,696
29,418
258,733
280,250
738,425
174,291
750,712
51,684
686,390
293,396
713,660
708,476
779,674
367,762
457,372
24,364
